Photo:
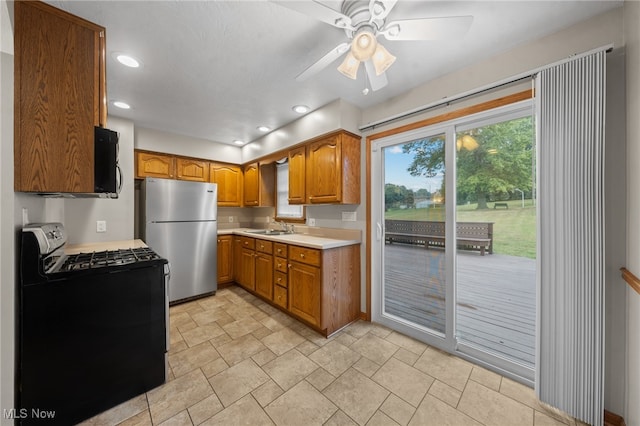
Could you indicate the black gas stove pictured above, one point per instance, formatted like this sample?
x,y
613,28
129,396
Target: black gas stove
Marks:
x,y
43,256
93,327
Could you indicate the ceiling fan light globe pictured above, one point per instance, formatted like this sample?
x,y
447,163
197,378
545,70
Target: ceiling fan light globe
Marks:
x,y
364,45
382,59
349,66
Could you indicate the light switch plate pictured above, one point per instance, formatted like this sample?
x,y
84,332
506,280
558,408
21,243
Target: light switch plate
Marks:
x,y
230,219
348,216
311,222
101,226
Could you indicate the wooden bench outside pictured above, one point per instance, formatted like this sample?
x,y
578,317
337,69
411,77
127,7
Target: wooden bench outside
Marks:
x,y
469,235
496,205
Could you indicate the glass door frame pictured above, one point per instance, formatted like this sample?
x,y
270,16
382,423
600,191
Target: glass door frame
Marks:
x,y
431,337
448,342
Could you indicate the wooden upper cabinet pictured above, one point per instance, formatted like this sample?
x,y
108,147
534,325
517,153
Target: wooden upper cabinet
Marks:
x,y
151,164
60,95
259,184
333,170
297,175
194,170
229,180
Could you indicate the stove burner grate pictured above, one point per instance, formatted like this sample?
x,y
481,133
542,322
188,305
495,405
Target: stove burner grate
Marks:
x,y
101,259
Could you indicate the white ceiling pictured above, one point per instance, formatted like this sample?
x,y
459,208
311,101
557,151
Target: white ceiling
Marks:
x,y
218,69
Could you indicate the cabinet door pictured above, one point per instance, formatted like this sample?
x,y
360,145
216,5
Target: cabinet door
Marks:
x,y
237,259
225,259
154,165
194,170
297,176
264,275
59,96
251,185
229,180
305,292
324,171
248,269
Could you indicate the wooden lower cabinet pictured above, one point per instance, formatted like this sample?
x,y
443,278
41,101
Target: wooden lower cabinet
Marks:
x,y
280,296
246,273
305,286
225,259
264,275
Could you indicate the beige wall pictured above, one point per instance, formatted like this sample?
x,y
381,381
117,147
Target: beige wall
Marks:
x,y
632,41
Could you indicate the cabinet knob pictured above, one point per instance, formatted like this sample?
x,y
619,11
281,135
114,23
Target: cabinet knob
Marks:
x,y
279,251
261,246
246,243
279,279
218,239
302,255
279,265
289,265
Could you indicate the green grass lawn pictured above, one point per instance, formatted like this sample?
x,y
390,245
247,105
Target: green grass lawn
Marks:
x,y
514,229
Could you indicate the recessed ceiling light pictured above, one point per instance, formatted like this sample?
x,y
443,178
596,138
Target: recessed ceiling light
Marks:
x,y
301,109
264,128
127,60
121,104
238,142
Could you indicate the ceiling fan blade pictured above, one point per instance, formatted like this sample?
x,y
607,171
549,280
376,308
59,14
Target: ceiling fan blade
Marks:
x,y
379,9
377,82
331,56
318,11
427,28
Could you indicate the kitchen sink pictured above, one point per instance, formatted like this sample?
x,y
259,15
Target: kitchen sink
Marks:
x,y
268,232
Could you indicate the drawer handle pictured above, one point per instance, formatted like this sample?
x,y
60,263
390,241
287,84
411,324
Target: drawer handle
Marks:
x,y
279,280
279,251
279,265
246,243
261,246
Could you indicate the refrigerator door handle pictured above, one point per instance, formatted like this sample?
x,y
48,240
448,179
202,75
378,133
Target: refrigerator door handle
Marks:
x,y
167,278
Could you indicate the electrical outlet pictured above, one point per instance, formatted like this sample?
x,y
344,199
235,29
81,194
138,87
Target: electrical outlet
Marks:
x,y
348,216
101,226
311,222
230,219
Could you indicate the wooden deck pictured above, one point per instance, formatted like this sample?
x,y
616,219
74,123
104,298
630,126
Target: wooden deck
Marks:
x,y
495,297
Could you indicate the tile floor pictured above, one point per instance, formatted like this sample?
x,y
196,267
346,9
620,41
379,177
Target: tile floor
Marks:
x,y
235,359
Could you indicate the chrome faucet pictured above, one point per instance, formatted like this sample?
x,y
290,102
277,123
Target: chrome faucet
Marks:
x,y
283,226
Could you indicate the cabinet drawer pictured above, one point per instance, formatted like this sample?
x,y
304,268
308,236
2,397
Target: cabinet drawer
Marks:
x,y
280,249
280,296
248,243
280,279
304,255
264,246
280,264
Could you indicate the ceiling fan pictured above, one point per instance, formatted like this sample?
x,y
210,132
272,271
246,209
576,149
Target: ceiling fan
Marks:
x,y
363,21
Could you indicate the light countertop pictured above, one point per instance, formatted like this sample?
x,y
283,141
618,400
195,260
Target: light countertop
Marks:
x,y
304,240
110,245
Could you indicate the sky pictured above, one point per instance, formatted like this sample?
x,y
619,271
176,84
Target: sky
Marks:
x,y
396,165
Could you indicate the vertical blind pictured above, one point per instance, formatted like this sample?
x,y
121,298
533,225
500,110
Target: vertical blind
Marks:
x,y
570,359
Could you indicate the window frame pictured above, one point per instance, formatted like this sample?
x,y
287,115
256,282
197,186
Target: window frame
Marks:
x,y
281,163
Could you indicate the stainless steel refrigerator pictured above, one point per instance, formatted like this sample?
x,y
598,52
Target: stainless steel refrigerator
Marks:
x,y
179,223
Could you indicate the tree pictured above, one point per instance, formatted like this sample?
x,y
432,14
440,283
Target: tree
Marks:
x,y
492,159
394,195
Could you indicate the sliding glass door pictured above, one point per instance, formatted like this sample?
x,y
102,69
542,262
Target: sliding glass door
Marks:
x,y
454,237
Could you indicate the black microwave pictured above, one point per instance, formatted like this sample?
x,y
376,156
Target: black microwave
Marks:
x,y
107,175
